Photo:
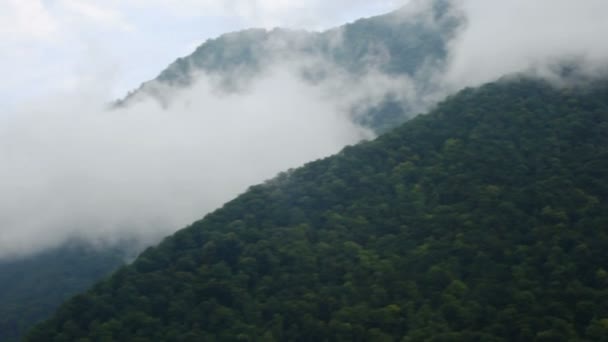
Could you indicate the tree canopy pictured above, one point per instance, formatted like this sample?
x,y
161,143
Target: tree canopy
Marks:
x,y
484,220
32,288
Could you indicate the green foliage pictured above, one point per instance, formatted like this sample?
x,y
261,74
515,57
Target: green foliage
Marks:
x,y
31,289
485,220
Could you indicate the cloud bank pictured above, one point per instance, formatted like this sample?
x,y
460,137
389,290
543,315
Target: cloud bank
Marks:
x,y
73,170
505,37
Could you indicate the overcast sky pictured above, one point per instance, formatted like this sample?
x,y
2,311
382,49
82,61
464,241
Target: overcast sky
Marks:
x,y
54,45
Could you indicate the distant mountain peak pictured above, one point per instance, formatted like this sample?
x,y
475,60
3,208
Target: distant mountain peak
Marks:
x,y
398,44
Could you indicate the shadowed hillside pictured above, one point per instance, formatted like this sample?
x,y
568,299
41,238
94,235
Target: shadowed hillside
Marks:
x,y
32,288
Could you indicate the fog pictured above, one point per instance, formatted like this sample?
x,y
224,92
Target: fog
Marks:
x,y
72,169
505,37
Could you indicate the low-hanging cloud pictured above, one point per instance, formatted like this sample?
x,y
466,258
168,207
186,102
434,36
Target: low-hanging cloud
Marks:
x,y
515,36
72,170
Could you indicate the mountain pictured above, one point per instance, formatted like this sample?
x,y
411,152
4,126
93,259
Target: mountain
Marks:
x,y
484,220
32,288
405,43
411,42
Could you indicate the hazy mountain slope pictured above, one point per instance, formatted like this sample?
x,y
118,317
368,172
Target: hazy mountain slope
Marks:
x,y
486,219
397,44
32,288
410,43
406,40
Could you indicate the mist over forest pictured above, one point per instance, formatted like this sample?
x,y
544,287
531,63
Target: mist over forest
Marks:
x,y
73,169
387,170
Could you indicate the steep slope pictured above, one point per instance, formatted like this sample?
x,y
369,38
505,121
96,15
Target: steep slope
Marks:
x,y
397,44
486,219
32,288
410,43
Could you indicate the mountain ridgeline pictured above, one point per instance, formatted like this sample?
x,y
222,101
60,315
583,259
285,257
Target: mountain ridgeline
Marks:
x,y
484,220
407,43
410,43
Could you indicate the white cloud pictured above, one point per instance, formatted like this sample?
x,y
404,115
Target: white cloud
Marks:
x,y
23,20
43,40
71,169
520,35
89,12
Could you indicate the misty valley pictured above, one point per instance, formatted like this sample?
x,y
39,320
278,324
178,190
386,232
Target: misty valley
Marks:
x,y
429,171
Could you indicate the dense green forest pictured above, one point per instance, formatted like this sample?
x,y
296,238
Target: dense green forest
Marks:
x,y
484,220
32,288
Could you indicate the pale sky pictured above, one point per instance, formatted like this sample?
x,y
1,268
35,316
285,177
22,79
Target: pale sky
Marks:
x,y
50,46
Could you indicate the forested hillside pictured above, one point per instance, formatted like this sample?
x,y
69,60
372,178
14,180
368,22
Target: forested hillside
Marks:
x,y
32,288
484,220
398,44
